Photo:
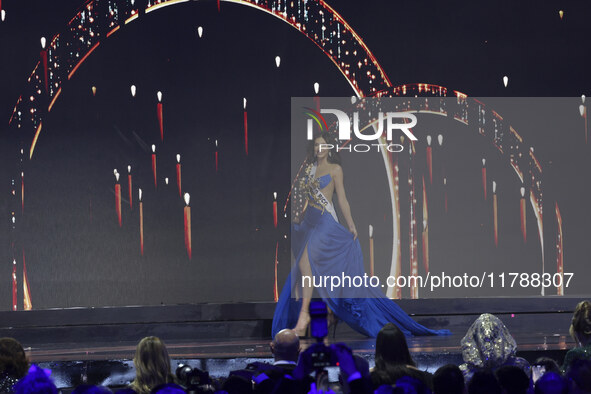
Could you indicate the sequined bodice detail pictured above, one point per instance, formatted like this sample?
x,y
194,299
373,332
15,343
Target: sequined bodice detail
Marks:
x,y
324,180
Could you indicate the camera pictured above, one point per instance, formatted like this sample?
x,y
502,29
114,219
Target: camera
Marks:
x,y
193,379
322,356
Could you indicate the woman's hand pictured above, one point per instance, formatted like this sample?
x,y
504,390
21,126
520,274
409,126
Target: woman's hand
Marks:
x,y
353,231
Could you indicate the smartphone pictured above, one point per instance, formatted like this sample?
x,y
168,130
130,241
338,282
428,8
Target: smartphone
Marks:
x,y
333,374
537,371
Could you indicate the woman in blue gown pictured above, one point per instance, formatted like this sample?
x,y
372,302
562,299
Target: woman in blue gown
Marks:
x,y
323,247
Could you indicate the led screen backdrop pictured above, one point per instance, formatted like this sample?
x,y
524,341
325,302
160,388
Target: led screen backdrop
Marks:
x,y
83,121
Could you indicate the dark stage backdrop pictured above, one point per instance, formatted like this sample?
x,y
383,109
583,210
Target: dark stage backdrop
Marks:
x,y
65,228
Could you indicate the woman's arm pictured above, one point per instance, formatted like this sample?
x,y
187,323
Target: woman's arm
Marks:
x,y
343,203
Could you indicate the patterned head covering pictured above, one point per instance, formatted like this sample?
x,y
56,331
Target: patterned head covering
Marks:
x,y
488,343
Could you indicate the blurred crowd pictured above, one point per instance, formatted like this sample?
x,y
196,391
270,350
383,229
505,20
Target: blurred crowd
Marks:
x,y
490,366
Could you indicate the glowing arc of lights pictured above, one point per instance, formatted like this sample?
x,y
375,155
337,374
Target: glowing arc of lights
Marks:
x,y
282,16
35,138
71,74
164,4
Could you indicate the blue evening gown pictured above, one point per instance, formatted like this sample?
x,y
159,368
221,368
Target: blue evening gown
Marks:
x,y
333,251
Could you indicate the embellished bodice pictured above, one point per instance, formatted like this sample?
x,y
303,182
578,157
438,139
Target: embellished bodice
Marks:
x,y
312,186
324,181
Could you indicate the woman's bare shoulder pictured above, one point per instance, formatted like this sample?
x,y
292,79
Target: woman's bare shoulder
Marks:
x,y
336,169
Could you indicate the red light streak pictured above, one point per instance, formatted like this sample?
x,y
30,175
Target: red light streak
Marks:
x,y
246,132
160,120
522,216
187,212
27,305
275,286
129,187
141,228
118,202
178,178
559,250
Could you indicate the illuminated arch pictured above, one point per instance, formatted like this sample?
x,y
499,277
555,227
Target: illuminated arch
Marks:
x,y
499,133
98,20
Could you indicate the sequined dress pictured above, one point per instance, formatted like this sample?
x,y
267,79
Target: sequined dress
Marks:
x,y
583,353
332,251
7,383
489,345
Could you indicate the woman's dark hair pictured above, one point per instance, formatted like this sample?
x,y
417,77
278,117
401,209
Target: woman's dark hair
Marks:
x,y
391,348
334,157
448,379
484,382
549,364
580,327
512,379
393,359
13,361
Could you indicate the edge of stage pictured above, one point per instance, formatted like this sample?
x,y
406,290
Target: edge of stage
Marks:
x,y
91,344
